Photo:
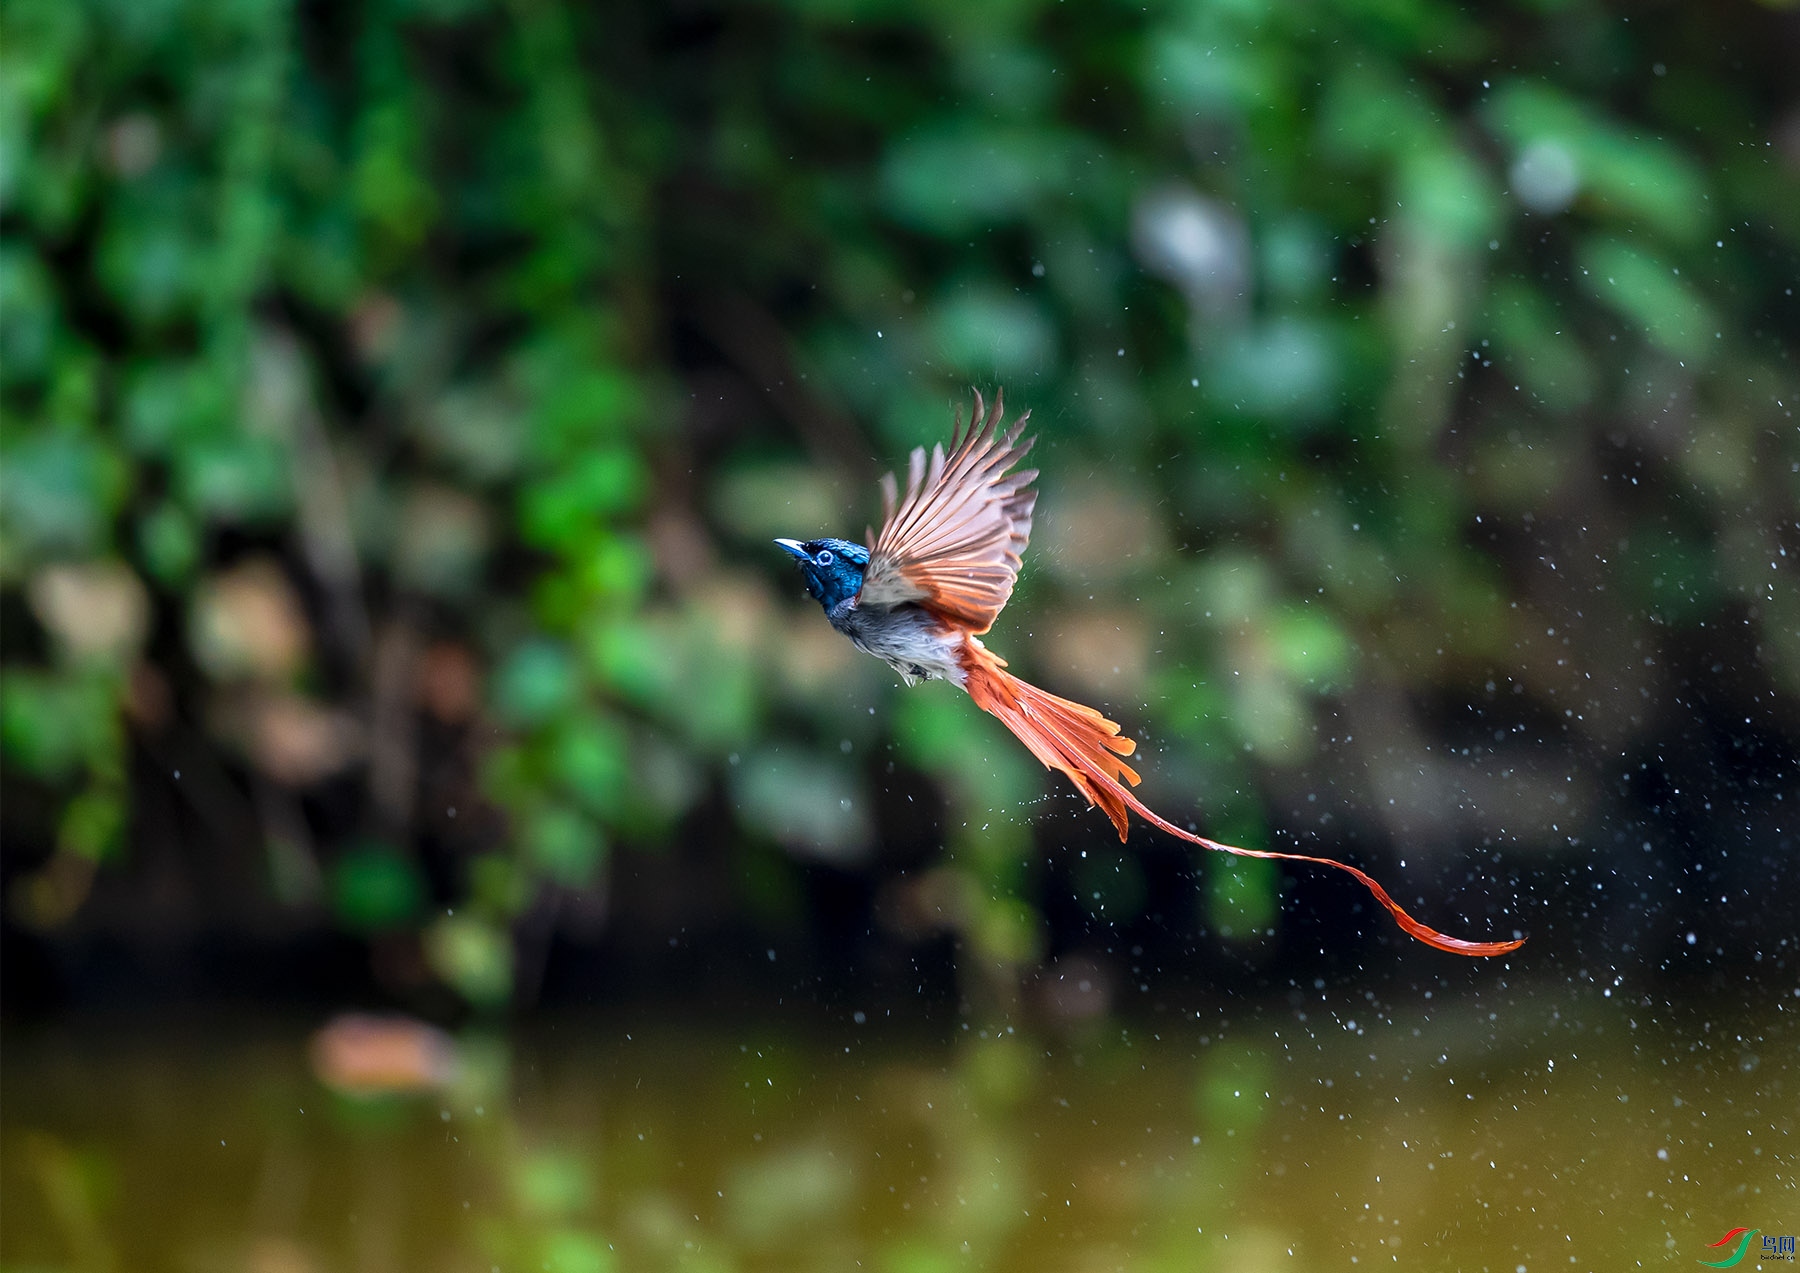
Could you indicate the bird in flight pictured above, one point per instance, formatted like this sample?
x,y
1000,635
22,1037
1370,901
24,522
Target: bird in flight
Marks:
x,y
925,589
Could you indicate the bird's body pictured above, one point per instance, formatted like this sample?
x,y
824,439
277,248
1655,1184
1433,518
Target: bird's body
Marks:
x,y
909,639
921,593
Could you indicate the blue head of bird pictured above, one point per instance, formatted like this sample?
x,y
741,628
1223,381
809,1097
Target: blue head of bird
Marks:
x,y
833,568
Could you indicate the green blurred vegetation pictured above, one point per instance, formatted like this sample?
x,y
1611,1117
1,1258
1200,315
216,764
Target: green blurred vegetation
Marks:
x,y
398,399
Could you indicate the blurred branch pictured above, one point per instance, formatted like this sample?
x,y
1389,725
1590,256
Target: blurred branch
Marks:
x,y
393,733
324,517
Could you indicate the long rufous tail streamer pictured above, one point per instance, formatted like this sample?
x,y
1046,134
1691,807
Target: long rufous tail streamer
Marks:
x,y
1083,744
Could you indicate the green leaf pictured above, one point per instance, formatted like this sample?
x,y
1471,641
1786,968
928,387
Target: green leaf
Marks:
x,y
584,409
1535,343
557,512
51,725
498,885
1287,370
58,491
1450,195
474,957
956,177
588,758
152,258
991,333
374,888
168,543
236,478
565,845
476,429
1192,75
1651,295
991,774
811,803
1310,646
387,185
28,318
536,682
170,405
1620,168
93,824
1370,112
618,568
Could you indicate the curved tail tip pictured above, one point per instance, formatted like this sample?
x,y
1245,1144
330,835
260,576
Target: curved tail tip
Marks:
x,y
1481,949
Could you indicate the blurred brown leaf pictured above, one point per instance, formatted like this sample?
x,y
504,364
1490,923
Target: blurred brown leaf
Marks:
x,y
297,742
364,1055
94,610
248,622
449,682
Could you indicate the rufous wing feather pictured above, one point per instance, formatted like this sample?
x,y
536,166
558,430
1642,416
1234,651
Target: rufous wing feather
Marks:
x,y
953,541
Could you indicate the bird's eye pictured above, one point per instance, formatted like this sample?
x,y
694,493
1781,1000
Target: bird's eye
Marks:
x,y
824,558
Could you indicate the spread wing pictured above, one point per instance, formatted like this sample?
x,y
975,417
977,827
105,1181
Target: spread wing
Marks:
x,y
953,543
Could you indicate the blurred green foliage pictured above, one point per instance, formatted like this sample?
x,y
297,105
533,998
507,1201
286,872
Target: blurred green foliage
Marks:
x,y
398,398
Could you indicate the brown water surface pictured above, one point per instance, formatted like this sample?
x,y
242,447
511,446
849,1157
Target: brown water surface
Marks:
x,y
1564,1129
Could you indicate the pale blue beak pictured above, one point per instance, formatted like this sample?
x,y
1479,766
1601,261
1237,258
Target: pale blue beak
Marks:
x,y
795,547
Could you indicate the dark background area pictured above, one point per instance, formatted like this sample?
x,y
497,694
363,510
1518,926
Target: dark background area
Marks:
x,y
399,399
